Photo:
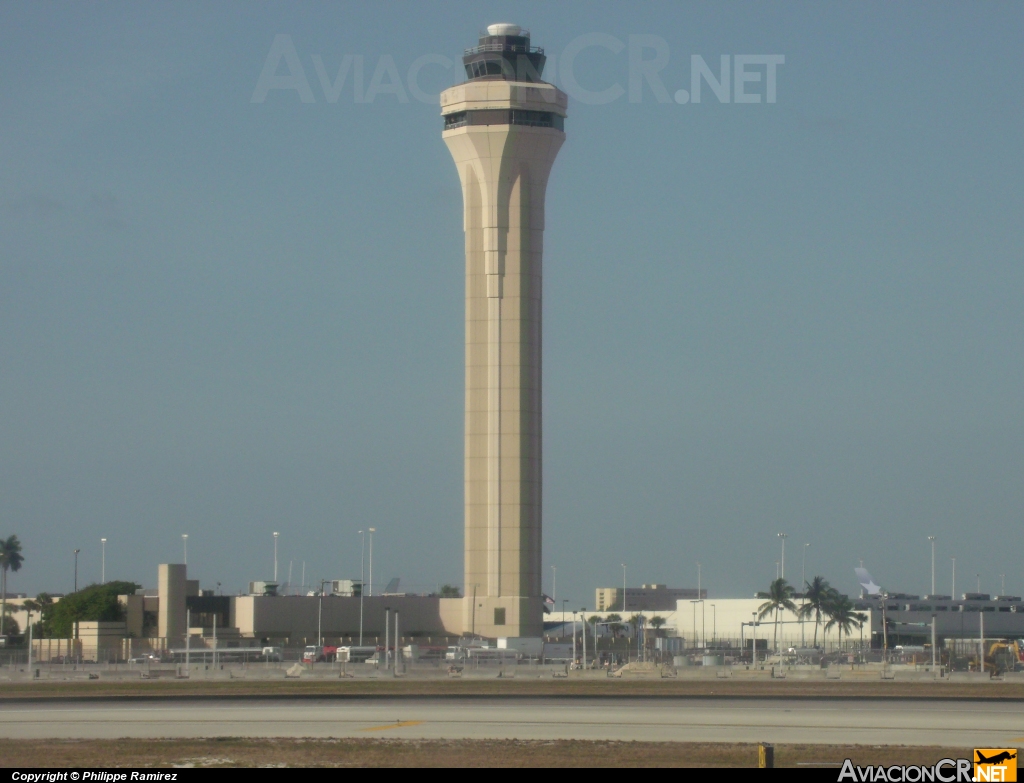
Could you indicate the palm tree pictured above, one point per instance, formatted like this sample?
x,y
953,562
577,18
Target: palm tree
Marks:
x,y
614,623
10,560
841,615
817,594
656,623
780,596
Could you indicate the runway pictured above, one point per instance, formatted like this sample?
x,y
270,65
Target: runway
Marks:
x,y
824,721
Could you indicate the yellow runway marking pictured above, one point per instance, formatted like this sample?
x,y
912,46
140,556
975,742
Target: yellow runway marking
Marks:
x,y
397,725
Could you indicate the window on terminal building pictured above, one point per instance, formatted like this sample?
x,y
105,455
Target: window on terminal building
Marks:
x,y
499,616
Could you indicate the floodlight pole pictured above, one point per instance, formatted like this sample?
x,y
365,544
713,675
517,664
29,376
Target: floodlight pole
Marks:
x,y
372,531
932,539
583,613
362,585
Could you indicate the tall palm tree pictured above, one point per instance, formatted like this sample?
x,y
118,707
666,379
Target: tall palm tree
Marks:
x,y
10,560
841,615
780,596
817,594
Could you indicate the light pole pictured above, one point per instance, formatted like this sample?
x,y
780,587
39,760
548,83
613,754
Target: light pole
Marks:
x,y
952,590
184,544
554,584
362,585
1002,584
573,634
76,569
320,617
714,623
698,581
372,531
583,628
978,588
695,623
703,626
276,534
782,573
932,539
803,568
103,561
753,640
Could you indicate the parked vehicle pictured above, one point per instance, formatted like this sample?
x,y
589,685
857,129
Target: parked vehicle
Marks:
x,y
272,654
356,654
316,654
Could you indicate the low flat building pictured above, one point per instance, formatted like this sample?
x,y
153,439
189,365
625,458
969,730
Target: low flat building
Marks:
x,y
161,622
647,598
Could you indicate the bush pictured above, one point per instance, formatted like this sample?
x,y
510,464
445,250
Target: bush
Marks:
x,y
95,603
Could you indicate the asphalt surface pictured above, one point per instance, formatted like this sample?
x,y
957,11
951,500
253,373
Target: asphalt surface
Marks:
x,y
825,721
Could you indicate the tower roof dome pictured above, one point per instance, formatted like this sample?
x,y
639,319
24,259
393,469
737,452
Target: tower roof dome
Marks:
x,y
504,29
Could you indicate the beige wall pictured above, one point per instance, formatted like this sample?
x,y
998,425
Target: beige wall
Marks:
x,y
171,586
295,617
504,172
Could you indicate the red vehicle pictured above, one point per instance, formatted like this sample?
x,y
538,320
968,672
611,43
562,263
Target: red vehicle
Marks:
x,y
316,654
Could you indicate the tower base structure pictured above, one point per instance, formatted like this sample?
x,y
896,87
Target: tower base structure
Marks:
x,y
523,616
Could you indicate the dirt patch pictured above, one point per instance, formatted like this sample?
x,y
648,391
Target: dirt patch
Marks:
x,y
231,752
513,687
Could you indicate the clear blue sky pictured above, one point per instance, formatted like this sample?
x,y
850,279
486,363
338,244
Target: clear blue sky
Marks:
x,y
225,318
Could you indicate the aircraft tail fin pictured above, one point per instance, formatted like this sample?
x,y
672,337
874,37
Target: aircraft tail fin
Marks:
x,y
867,582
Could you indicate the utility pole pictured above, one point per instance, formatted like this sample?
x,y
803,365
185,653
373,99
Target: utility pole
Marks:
x,y
932,539
573,636
583,613
320,615
275,557
29,615
372,531
782,573
933,642
362,584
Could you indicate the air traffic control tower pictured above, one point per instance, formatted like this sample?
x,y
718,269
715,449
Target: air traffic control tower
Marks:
x,y
503,127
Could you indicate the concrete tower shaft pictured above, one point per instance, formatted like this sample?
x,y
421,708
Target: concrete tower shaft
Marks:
x,y
503,135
